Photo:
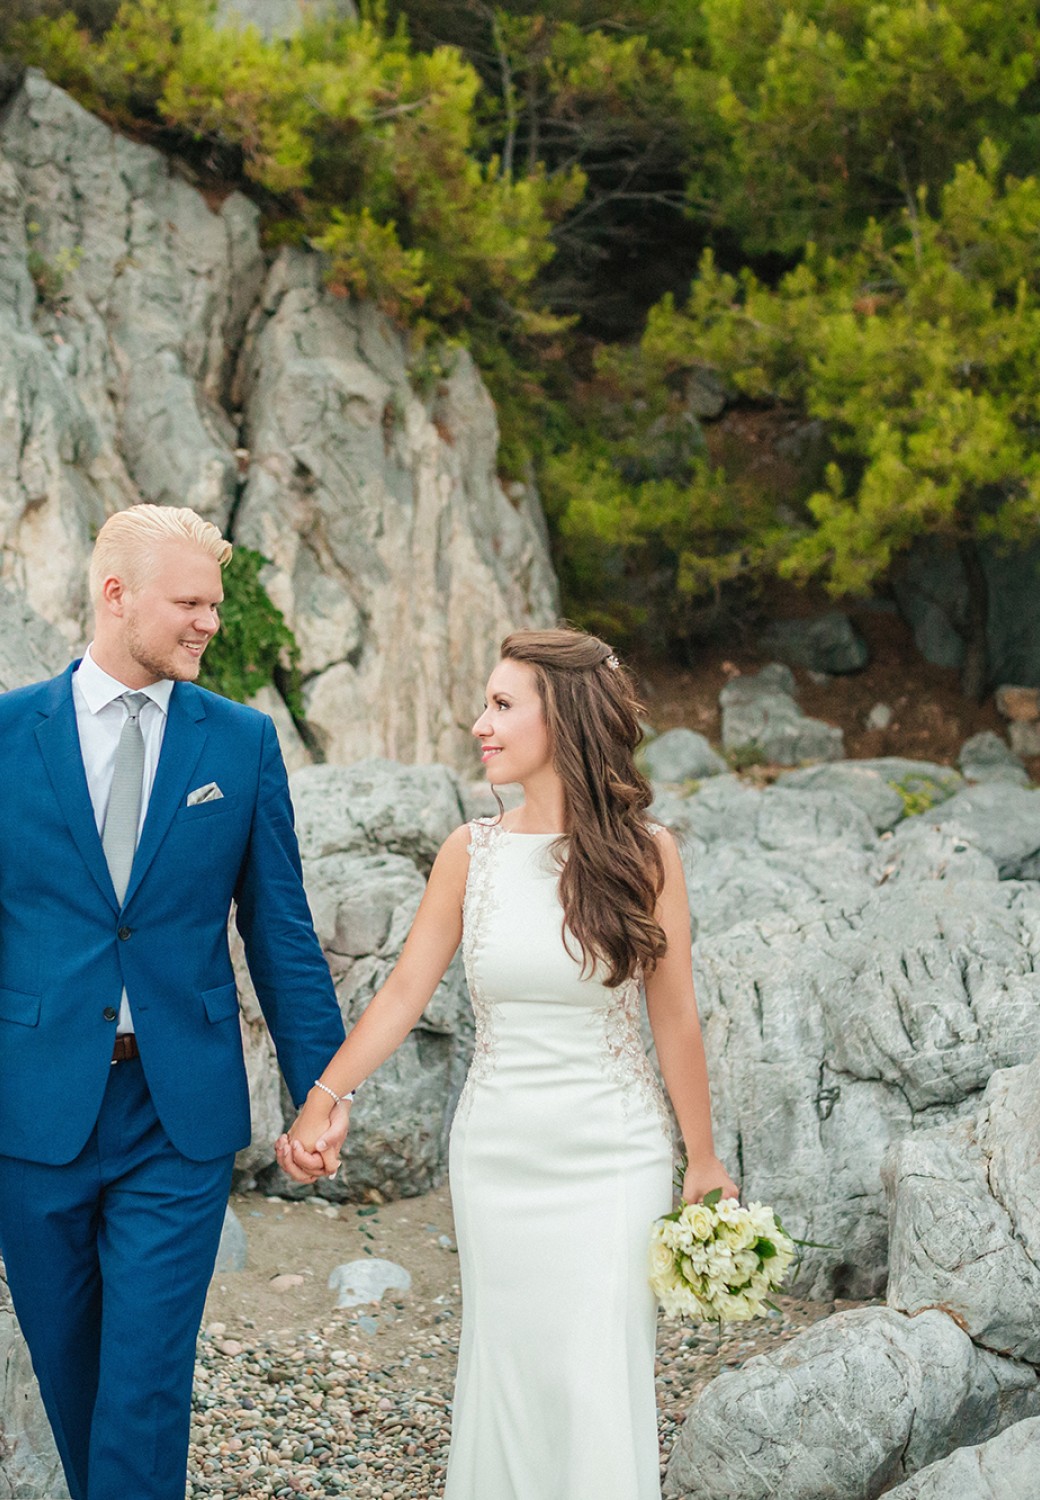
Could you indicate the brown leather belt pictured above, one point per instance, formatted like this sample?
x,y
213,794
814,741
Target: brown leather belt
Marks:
x,y
125,1048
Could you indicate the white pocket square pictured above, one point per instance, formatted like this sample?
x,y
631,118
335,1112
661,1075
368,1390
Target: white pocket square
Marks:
x,y
208,793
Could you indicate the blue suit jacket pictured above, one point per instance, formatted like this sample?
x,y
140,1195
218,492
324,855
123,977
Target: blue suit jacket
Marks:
x,y
67,947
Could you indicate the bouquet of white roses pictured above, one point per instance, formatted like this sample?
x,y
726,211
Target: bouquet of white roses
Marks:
x,y
718,1260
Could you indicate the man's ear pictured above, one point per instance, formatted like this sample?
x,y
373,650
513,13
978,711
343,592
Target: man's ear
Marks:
x,y
114,595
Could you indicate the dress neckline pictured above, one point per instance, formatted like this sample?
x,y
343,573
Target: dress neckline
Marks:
x,y
516,833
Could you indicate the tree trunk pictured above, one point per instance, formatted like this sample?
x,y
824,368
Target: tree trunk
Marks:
x,y
975,672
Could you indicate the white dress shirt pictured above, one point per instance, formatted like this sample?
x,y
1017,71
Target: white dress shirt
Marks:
x,y
99,720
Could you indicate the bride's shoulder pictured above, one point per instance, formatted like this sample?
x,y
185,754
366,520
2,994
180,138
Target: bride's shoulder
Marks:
x,y
452,863
666,843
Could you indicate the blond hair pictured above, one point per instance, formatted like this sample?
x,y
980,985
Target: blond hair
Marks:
x,y
127,540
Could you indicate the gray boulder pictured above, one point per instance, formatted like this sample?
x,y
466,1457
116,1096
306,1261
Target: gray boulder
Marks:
x,y
1004,821
233,1251
826,643
964,1205
752,854
29,1463
921,849
760,715
986,757
680,755
886,788
1004,1468
30,649
369,834
376,807
359,1281
835,1028
932,592
846,1409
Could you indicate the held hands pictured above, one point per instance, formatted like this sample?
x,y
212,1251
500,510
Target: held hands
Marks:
x,y
310,1148
702,1177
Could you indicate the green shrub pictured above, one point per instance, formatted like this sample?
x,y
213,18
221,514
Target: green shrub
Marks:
x,y
253,646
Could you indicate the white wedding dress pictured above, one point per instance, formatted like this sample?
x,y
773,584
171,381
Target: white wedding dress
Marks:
x,y
560,1158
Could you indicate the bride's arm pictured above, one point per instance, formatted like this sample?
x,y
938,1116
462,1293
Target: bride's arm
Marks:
x,y
313,1141
672,1009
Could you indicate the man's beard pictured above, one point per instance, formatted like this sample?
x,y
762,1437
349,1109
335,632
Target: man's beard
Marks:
x,y
159,667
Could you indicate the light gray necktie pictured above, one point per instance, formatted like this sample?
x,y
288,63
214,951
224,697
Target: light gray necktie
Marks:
x,y
119,839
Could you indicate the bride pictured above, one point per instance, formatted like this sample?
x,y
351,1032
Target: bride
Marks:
x,y
561,1153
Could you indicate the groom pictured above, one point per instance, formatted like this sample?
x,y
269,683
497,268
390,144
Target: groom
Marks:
x,y
134,809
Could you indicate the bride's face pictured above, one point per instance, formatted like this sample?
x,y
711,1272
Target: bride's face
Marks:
x,y
514,739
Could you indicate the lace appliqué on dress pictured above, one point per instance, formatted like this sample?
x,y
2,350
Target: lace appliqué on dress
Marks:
x,y
477,905
626,1056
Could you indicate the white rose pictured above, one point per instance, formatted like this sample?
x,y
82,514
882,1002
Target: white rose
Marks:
x,y
662,1261
742,1233
699,1219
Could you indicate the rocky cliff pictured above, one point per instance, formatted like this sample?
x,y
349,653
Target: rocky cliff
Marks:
x,y
149,351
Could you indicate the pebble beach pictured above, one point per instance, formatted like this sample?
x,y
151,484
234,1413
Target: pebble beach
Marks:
x,y
358,1402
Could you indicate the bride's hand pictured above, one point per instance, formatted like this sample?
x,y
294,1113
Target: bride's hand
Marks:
x,y
702,1177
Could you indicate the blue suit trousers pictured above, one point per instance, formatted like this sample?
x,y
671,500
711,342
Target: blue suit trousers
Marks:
x,y
108,1260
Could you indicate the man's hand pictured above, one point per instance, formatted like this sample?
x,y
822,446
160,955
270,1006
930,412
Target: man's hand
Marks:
x,y
311,1146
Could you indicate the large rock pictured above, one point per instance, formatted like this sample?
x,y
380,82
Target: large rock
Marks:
x,y
1004,1468
751,854
825,643
837,1027
398,559
987,757
760,717
369,835
681,755
965,1216
1004,821
124,304
844,1410
29,1463
887,789
30,649
932,591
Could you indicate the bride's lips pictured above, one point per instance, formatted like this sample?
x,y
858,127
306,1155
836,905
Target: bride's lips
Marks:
x,y
489,752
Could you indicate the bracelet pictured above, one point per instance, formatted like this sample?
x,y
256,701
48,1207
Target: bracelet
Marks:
x,y
339,1098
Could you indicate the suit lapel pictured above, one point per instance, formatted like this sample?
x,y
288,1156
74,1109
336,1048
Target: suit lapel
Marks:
x,y
182,744
58,739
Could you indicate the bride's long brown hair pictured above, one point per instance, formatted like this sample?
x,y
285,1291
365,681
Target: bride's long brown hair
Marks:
x,y
613,874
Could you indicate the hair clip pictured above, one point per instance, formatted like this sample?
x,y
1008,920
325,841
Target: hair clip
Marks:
x,y
612,662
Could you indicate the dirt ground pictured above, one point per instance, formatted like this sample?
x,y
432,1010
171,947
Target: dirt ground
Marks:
x,y
309,1238
932,718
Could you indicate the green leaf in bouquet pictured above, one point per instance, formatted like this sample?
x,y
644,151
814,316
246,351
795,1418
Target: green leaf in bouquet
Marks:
x,y
672,1217
765,1249
710,1199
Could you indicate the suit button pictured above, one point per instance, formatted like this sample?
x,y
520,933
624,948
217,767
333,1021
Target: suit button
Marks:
x,y
124,933
110,1013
